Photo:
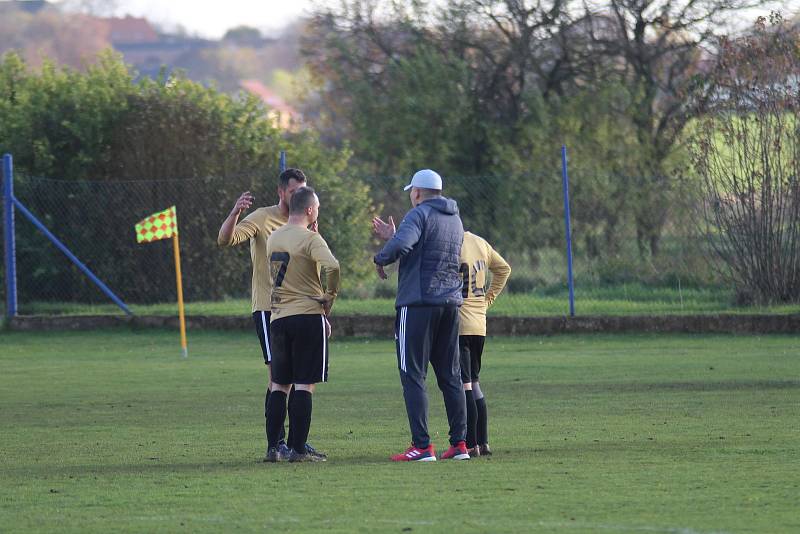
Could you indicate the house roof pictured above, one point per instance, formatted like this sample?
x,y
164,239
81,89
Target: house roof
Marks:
x,y
267,95
128,30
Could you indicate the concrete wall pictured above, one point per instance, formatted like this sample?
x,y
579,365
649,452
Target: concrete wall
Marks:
x,y
383,326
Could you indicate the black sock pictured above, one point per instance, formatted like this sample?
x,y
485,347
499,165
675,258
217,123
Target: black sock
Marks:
x,y
276,416
483,425
289,408
300,420
472,418
282,435
266,416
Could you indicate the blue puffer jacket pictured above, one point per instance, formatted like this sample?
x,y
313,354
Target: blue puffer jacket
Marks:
x,y
428,244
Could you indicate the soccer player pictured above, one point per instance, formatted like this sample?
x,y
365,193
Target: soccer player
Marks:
x,y
299,327
476,257
255,229
428,245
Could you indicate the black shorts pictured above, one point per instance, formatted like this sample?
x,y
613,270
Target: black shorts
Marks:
x,y
299,349
470,349
261,319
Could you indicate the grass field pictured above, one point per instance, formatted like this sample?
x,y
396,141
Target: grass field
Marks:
x,y
113,431
630,299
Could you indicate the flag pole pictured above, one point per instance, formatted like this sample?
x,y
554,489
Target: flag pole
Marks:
x,y
176,247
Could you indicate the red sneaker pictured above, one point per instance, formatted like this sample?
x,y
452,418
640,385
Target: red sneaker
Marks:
x,y
456,452
414,454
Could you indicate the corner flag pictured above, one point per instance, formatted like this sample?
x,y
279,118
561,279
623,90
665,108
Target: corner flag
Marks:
x,y
163,225
159,225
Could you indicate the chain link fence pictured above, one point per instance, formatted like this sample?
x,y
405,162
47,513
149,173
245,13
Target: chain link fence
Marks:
x,y
618,236
95,220
521,217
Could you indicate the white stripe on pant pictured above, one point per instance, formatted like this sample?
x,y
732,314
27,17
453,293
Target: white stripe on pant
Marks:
x,y
265,327
403,313
324,347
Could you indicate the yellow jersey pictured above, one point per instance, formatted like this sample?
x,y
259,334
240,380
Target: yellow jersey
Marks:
x,y
297,256
256,228
476,257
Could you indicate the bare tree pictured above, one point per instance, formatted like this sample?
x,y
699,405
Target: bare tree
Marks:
x,y
514,46
748,154
71,39
511,49
661,49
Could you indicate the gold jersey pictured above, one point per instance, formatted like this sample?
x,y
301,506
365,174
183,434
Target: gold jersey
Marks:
x,y
476,257
297,256
256,228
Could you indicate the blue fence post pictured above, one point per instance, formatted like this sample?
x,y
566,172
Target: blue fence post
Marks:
x,y
8,238
282,161
565,180
78,263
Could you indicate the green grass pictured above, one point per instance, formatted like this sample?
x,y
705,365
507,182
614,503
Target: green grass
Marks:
x,y
113,431
632,299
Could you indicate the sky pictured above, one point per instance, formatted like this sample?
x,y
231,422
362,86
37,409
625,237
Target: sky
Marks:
x,y
211,19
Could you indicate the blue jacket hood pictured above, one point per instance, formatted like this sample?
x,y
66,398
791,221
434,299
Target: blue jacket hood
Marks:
x,y
443,204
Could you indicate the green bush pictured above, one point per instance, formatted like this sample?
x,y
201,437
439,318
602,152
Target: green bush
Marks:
x,y
115,149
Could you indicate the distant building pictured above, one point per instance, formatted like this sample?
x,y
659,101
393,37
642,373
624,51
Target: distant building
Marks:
x,y
281,113
131,30
168,51
31,6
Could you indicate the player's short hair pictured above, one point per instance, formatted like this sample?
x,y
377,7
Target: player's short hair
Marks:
x,y
302,199
429,193
291,174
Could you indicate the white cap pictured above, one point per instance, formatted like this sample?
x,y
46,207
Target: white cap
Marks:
x,y
426,179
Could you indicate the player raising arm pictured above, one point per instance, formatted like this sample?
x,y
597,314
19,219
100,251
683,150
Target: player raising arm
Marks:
x,y
299,329
476,257
255,229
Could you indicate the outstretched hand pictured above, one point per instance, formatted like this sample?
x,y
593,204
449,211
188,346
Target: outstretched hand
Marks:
x,y
382,229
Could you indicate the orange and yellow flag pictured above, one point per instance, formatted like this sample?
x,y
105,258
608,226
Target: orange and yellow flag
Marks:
x,y
161,225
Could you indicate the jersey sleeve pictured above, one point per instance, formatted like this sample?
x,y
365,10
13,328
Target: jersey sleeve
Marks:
x,y
500,270
244,230
318,250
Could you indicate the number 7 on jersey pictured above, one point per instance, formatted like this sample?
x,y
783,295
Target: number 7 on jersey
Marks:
x,y
279,261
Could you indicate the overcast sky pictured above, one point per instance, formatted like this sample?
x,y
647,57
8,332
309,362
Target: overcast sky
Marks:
x,y
212,18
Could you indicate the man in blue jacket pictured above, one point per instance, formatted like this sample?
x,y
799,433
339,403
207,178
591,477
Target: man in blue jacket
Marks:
x,y
428,245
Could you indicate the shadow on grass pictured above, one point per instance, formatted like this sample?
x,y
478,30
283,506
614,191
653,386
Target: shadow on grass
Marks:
x,y
154,467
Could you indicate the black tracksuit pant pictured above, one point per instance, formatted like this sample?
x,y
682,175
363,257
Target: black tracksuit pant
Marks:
x,y
430,334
